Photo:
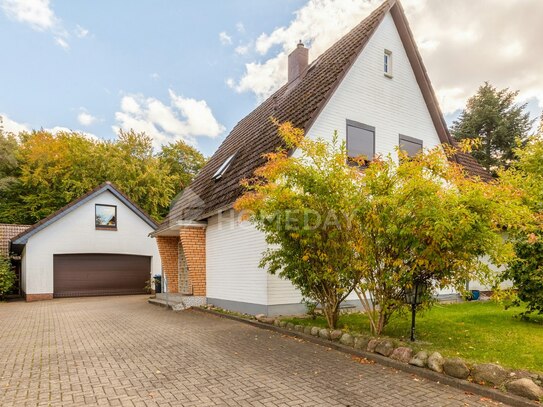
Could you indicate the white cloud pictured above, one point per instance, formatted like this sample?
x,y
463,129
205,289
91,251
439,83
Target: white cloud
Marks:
x,y
11,126
182,118
81,32
225,38
242,49
240,27
85,118
462,44
155,76
39,15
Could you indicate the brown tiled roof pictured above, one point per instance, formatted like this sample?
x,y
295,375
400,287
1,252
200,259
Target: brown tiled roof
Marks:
x,y
21,238
300,103
7,232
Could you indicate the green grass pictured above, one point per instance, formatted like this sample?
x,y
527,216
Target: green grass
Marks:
x,y
474,331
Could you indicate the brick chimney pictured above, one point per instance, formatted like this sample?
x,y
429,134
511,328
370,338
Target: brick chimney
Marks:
x,y
297,62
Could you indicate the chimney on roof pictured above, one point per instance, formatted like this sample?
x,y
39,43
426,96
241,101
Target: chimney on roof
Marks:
x,y
297,62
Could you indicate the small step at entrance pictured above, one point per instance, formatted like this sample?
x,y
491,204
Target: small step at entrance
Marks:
x,y
176,301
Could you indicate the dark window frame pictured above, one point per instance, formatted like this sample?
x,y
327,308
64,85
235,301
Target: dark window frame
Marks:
x,y
409,139
106,227
353,123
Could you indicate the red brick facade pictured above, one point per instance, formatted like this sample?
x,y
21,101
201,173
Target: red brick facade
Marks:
x,y
192,239
168,247
38,297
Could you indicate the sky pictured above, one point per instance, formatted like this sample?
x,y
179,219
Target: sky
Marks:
x,y
191,70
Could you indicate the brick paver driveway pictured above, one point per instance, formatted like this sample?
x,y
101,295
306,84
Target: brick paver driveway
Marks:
x,y
123,351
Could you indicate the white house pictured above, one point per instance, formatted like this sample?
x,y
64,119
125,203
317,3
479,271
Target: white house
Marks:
x,y
98,244
371,87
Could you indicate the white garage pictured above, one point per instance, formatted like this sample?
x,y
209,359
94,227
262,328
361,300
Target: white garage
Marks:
x,y
98,244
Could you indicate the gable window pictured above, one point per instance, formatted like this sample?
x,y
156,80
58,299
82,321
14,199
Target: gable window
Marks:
x,y
105,216
387,68
360,140
222,169
412,146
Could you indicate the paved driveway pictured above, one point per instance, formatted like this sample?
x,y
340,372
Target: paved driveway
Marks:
x,y
122,351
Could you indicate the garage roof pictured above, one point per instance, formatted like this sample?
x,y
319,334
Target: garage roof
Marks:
x,y
22,238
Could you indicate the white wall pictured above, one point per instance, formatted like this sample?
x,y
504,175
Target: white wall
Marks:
x,y
233,252
392,105
76,233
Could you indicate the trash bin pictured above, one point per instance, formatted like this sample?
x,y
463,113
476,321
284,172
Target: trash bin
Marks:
x,y
158,283
475,294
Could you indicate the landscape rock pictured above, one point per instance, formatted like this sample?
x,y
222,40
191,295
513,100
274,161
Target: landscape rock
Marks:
x,y
402,354
361,342
267,320
420,359
384,348
315,330
372,344
336,334
307,330
346,340
526,388
456,367
489,373
435,362
299,328
290,325
324,334
258,317
277,322
283,324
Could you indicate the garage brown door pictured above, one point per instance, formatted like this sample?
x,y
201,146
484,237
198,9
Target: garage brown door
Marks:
x,y
77,275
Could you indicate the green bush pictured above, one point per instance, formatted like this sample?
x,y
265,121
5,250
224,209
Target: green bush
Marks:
x,y
7,277
526,273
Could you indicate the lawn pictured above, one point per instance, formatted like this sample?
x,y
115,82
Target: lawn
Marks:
x,y
474,331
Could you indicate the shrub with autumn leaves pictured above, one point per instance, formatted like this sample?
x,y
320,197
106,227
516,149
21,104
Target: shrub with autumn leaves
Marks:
x,y
334,227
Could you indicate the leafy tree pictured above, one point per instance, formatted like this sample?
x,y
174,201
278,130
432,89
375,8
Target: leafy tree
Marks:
x,y
526,269
426,223
303,205
7,277
493,116
332,228
40,172
184,161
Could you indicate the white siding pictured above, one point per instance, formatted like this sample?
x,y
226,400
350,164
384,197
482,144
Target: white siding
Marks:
x,y
233,252
393,106
76,233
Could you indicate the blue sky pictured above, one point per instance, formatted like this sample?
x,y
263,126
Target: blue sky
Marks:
x,y
193,69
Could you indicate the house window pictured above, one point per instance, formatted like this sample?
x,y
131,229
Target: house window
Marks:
x,y
388,63
105,216
412,146
222,169
360,140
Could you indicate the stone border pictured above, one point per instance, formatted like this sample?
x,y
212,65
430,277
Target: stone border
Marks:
x,y
294,331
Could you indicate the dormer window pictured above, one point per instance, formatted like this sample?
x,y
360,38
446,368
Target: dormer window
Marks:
x,y
223,168
388,63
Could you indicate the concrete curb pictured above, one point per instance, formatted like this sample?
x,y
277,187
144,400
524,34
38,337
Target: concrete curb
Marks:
x,y
428,374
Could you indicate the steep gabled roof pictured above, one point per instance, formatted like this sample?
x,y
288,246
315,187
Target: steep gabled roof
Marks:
x,y
299,102
23,237
7,232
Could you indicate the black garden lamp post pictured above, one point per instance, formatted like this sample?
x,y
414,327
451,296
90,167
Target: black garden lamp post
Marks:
x,y
414,297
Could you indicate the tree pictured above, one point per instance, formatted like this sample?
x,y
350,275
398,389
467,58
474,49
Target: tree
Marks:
x,y
184,161
40,172
303,204
526,269
7,277
426,223
493,116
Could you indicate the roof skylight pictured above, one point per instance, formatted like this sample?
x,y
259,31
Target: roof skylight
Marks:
x,y
223,168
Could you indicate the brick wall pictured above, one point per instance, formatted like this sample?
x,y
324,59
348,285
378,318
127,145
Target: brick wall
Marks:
x,y
168,247
193,240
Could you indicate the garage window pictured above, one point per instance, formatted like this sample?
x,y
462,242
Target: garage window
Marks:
x,y
105,216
